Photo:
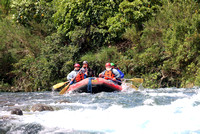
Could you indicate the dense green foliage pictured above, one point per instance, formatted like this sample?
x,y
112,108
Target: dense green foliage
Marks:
x,y
5,7
157,40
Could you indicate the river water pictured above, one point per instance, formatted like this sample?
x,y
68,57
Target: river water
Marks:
x,y
150,111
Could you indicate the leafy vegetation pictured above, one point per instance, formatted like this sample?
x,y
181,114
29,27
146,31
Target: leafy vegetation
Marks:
x,y
42,39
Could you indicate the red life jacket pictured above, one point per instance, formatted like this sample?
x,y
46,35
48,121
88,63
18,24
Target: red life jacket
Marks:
x,y
109,75
79,77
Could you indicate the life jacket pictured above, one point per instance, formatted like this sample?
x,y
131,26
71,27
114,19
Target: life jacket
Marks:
x,y
79,77
109,75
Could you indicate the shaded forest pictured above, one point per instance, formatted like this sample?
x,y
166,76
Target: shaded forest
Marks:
x,y
40,40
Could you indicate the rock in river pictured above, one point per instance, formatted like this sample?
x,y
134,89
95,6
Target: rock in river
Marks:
x,y
41,107
17,111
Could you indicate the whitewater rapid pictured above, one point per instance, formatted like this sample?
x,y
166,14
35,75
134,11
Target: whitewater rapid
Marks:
x,y
151,111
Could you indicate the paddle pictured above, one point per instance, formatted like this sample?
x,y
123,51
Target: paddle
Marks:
x,y
112,79
137,80
133,86
59,85
66,87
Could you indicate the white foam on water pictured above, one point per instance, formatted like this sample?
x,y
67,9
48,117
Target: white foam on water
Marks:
x,y
168,94
181,116
149,102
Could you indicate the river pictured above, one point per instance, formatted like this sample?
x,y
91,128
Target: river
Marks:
x,y
149,111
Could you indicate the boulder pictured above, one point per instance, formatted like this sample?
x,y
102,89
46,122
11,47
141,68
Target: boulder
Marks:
x,y
41,107
17,111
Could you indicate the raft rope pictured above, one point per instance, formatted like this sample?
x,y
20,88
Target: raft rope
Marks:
x,y
89,88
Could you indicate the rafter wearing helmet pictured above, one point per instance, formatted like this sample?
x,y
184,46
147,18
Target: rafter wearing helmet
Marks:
x,y
115,67
75,73
89,72
110,73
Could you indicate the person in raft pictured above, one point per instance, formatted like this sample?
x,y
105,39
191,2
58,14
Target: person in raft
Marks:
x,y
121,73
110,73
88,71
79,74
115,67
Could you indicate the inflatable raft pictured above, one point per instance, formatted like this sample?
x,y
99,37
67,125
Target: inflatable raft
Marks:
x,y
94,85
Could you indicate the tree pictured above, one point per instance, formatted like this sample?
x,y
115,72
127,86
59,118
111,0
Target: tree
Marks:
x,y
84,21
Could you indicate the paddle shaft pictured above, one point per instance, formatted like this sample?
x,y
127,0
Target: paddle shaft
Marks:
x,y
75,76
138,80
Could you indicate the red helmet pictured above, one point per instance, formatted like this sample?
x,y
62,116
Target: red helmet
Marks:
x,y
77,65
108,64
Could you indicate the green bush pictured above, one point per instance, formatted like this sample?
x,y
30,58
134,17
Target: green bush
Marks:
x,y
16,44
156,40
168,49
98,60
53,64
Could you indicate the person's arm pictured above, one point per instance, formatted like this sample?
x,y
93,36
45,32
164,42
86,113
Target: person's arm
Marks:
x,y
117,74
85,72
102,74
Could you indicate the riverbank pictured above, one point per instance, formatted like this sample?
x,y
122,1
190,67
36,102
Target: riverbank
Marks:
x,y
154,40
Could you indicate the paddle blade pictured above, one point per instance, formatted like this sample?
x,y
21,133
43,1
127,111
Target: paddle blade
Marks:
x,y
137,80
59,85
134,87
64,89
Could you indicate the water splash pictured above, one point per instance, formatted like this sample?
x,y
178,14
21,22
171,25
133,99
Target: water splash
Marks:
x,y
164,110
